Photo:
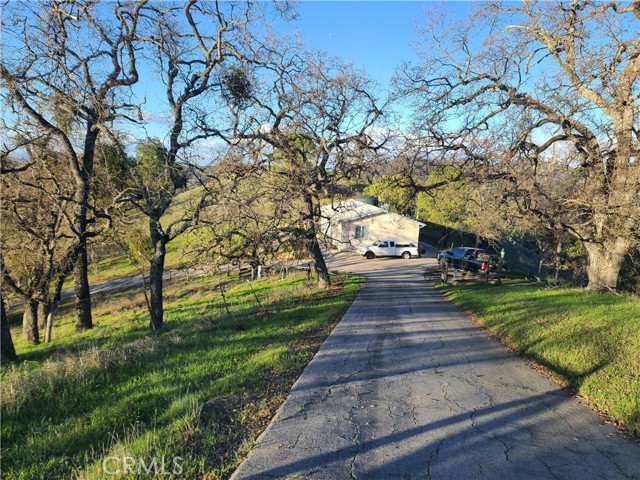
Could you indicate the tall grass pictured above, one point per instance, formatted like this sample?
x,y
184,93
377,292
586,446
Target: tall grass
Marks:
x,y
588,341
201,390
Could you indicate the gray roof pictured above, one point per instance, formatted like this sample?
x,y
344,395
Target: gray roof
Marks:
x,y
352,210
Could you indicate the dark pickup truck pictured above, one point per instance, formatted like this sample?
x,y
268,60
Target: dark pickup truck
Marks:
x,y
467,258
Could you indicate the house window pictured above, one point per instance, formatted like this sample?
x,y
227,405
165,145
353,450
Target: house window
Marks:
x,y
362,232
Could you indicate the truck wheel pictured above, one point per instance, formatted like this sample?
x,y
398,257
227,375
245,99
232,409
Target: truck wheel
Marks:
x,y
406,255
370,256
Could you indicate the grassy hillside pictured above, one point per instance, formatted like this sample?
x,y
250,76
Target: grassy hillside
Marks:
x,y
588,341
116,264
201,390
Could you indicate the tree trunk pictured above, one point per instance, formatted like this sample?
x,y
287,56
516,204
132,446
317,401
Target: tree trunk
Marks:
x,y
622,186
320,265
7,350
54,300
605,261
49,323
313,245
324,280
43,313
156,307
54,303
81,264
81,289
30,322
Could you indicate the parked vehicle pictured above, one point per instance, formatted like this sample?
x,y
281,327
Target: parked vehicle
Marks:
x,y
467,258
389,248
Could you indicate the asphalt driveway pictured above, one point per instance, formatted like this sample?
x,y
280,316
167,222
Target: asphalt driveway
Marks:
x,y
407,387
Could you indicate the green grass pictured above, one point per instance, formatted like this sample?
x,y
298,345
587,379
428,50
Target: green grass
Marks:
x,y
588,341
201,390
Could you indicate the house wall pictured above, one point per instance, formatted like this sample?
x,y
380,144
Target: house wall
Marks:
x,y
334,232
392,227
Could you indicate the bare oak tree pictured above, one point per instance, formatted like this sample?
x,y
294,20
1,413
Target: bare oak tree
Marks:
x,y
196,47
546,95
65,69
244,226
310,123
36,240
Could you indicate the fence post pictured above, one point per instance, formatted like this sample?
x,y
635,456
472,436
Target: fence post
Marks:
x,y
224,298
500,263
256,297
445,272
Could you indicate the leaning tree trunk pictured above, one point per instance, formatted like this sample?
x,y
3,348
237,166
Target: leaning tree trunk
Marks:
x,y
30,322
605,261
313,247
52,311
156,307
320,266
54,300
7,350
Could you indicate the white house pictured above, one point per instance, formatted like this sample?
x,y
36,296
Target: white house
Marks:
x,y
351,223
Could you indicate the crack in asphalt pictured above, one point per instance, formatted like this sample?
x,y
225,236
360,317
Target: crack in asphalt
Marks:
x,y
490,434
346,359
355,439
549,469
295,442
302,409
414,417
433,457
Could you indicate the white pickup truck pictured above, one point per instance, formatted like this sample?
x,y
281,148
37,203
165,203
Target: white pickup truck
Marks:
x,y
389,248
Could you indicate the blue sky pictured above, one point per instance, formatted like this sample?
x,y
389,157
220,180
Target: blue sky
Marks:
x,y
375,35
